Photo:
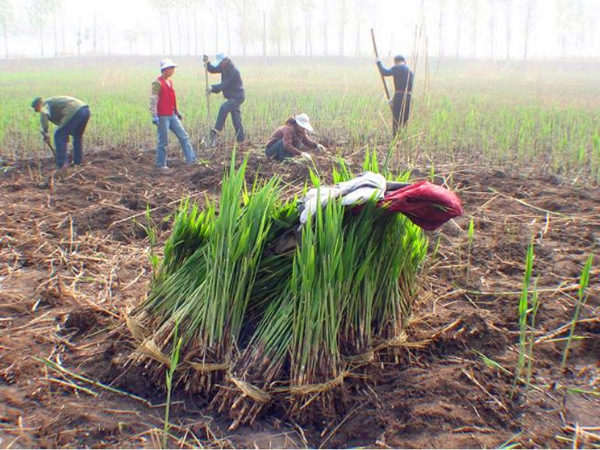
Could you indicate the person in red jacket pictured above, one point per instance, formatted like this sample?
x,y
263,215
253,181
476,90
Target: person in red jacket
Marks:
x,y
166,116
286,140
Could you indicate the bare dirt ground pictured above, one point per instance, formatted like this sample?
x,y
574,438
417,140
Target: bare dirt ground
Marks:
x,y
74,258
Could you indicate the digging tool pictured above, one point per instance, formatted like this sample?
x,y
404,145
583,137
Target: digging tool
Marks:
x,y
207,94
51,148
207,141
49,145
387,92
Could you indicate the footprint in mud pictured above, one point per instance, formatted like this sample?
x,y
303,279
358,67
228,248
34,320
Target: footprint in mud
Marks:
x,y
133,202
473,332
80,321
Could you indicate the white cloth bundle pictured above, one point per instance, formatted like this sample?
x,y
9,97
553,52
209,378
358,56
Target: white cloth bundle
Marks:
x,y
353,192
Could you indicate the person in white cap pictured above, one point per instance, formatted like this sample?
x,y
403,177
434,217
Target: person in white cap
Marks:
x,y
166,116
232,87
285,142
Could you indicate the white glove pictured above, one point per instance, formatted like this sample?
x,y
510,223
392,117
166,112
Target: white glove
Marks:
x,y
306,156
320,147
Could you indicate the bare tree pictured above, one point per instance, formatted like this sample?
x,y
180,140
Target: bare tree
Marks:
x,y
359,7
459,13
196,5
228,29
325,24
343,19
308,6
264,36
6,15
39,12
583,20
80,37
474,20
290,7
95,33
442,10
55,32
221,8
216,14
507,23
563,26
528,25
108,40
245,10
164,9
132,36
491,26
185,7
178,23
276,26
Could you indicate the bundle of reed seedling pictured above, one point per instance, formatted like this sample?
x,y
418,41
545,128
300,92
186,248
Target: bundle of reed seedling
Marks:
x,y
271,311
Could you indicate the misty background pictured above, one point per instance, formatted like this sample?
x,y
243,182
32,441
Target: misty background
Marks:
x,y
474,29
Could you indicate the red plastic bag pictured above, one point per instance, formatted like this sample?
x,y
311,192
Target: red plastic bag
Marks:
x,y
425,204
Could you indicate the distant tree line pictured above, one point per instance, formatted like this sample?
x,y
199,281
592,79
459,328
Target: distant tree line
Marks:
x,y
494,29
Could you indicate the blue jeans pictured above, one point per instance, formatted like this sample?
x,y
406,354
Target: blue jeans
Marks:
x,y
166,123
232,105
74,127
400,110
276,151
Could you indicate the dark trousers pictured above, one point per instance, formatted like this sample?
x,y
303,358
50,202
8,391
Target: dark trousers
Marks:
x,y
277,151
74,127
231,105
400,110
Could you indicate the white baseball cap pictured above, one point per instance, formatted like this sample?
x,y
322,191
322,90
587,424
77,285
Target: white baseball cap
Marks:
x,y
304,121
166,63
220,57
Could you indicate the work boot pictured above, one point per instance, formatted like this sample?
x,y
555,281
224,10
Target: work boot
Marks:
x,y
213,140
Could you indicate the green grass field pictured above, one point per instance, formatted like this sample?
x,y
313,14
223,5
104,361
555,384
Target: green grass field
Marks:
x,y
476,113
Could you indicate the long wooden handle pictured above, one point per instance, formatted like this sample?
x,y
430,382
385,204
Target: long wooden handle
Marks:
x,y
51,148
207,96
387,93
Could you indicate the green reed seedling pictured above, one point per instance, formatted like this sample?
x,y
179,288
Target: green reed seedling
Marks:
x,y
582,297
523,314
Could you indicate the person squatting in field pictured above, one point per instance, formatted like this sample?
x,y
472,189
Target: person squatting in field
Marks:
x,y
403,85
232,88
166,116
71,116
286,140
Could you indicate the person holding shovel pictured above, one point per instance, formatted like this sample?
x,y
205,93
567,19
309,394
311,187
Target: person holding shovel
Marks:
x,y
232,88
403,85
71,116
166,116
286,140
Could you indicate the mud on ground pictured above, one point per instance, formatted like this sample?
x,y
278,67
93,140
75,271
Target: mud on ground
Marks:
x,y
74,258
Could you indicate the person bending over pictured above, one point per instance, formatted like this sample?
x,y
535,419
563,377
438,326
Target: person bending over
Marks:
x,y
286,141
71,116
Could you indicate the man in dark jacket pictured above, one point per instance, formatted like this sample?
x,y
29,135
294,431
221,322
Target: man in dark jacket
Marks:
x,y
403,85
71,116
233,90
286,140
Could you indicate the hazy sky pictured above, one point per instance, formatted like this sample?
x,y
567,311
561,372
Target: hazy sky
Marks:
x,y
556,27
